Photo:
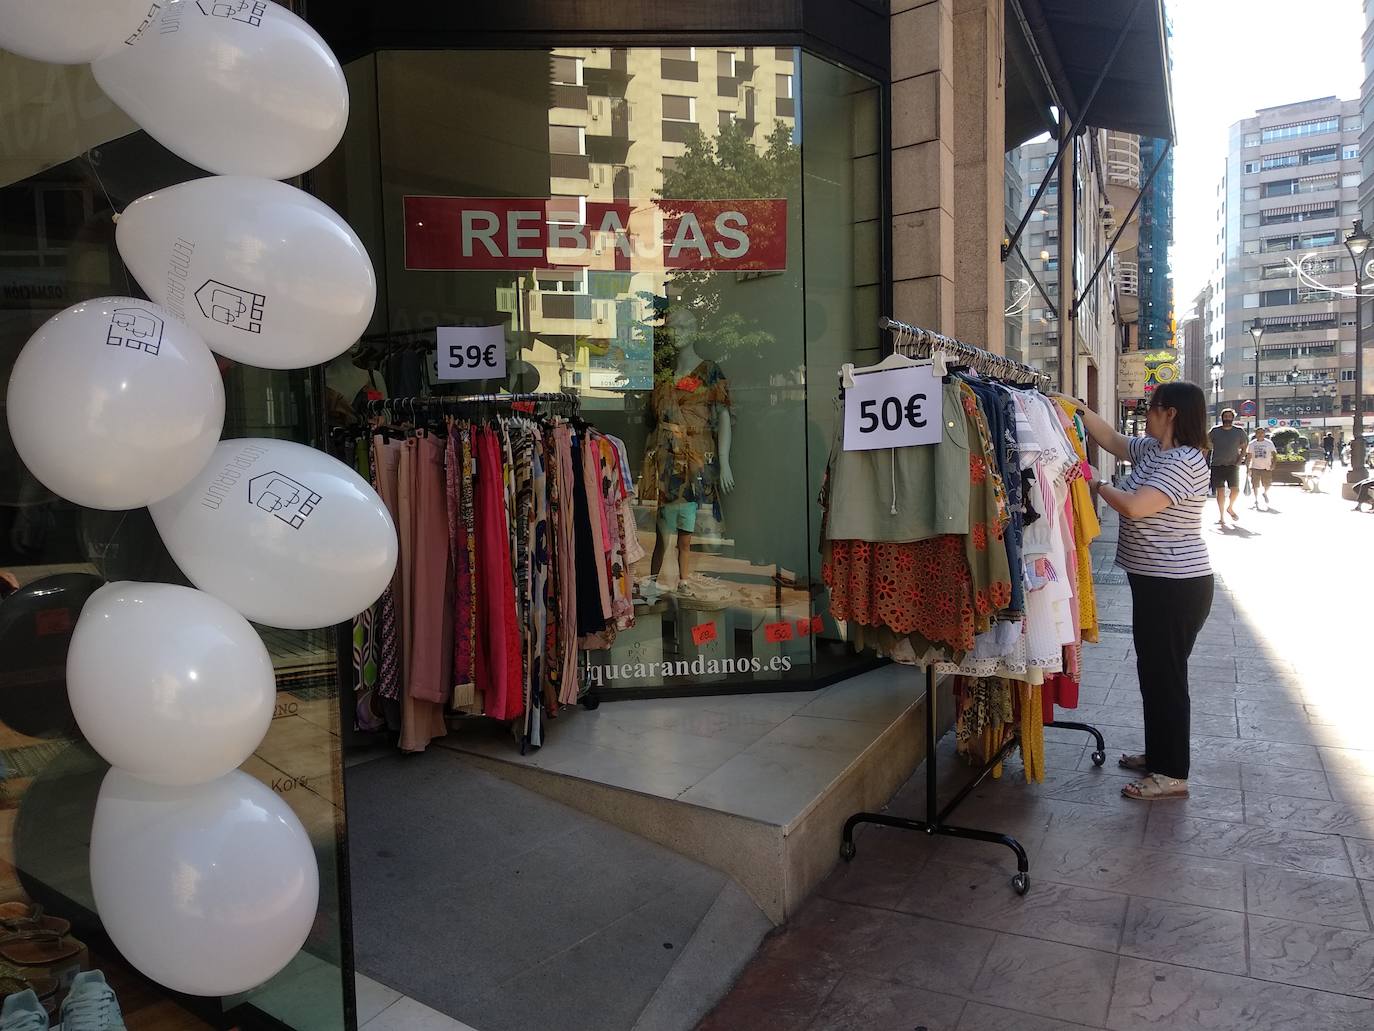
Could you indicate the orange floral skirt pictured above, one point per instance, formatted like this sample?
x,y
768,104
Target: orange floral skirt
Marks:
x,y
922,587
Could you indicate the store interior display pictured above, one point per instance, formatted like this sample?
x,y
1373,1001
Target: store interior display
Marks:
x,y
969,556
206,883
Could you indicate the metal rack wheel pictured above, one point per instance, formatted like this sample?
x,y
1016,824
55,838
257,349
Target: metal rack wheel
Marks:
x,y
1021,883
1099,757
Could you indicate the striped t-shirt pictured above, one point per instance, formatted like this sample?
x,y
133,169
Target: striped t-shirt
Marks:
x,y
1168,543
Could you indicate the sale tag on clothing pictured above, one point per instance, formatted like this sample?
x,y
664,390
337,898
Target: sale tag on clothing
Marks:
x,y
817,624
803,628
777,631
899,407
471,352
703,633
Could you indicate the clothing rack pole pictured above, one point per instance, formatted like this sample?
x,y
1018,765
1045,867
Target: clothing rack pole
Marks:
x,y
935,817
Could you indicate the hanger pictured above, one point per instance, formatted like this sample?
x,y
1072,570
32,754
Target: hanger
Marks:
x,y
896,360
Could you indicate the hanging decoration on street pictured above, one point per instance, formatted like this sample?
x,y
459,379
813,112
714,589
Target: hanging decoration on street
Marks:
x,y
204,879
238,88
266,273
114,404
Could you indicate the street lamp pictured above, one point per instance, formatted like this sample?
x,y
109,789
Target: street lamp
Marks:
x,y
1357,243
1218,372
1257,331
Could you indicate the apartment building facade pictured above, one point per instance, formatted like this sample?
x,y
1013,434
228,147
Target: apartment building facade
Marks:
x,y
1289,194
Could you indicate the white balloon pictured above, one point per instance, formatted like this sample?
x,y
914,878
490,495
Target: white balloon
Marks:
x,y
68,31
266,273
113,403
168,683
237,87
209,889
285,534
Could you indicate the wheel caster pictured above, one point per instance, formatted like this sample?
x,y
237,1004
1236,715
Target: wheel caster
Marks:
x,y
1099,757
847,850
1021,883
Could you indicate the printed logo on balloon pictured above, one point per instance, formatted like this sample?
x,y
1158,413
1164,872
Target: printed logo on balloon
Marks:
x,y
172,685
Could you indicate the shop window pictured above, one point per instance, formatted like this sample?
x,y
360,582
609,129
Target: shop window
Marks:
x,y
746,596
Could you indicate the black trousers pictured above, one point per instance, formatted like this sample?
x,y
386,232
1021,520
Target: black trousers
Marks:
x,y
1166,618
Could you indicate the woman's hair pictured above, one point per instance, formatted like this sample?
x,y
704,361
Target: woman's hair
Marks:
x,y
1190,412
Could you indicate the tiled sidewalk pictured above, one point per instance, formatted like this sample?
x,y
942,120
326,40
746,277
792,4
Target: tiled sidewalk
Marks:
x,y
1241,907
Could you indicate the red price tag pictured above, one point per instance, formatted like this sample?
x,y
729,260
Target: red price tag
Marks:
x,y
803,628
817,624
523,406
777,631
703,633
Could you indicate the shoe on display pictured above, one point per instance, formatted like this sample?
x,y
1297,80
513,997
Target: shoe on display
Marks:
x,y
648,589
709,585
700,596
90,1005
23,1012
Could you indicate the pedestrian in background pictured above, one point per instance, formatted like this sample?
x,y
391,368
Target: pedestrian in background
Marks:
x,y
1160,547
1260,457
1329,446
1228,451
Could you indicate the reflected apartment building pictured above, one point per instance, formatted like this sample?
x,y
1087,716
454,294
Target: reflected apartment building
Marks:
x,y
619,119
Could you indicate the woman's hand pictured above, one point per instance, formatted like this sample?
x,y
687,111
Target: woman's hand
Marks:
x,y
1079,405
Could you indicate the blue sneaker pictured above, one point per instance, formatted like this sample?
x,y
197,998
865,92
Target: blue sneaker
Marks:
x,y
90,1006
23,1012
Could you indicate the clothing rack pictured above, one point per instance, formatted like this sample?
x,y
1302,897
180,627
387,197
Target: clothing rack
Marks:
x,y
441,403
924,341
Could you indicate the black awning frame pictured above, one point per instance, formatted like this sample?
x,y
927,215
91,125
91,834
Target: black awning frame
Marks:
x,y
1043,61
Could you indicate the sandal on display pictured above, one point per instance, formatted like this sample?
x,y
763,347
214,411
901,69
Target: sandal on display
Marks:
x,y
1133,762
1156,787
21,916
40,955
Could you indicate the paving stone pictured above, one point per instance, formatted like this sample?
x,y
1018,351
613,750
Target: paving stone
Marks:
x,y
1295,895
1327,958
1152,996
1195,936
1050,980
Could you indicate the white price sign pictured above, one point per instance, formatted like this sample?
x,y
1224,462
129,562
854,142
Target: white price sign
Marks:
x,y
895,408
471,352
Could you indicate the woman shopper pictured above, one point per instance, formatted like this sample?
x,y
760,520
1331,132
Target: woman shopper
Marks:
x,y
1160,547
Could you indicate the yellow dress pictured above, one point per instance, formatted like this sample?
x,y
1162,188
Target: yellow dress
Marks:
x,y
1086,530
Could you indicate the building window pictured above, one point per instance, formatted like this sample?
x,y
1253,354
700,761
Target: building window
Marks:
x,y
1037,164
567,139
565,71
678,64
1350,179
1347,375
1252,139
1250,246
786,105
1350,152
679,109
1251,167
1272,297
1037,240
1276,217
1251,221
1250,301
561,281
1313,127
1249,379
1252,193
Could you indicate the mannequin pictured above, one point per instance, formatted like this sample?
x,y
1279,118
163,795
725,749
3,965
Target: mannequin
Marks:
x,y
687,462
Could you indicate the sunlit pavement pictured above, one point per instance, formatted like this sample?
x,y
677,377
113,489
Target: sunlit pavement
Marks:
x,y
1245,906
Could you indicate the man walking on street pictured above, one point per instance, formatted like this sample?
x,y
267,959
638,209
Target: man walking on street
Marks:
x,y
1260,455
1329,446
1228,451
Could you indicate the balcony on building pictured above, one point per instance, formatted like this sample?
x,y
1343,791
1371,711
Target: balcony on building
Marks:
x,y
607,71
1123,184
608,130
1128,288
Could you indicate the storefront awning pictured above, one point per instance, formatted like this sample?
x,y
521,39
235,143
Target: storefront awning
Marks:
x,y
1073,43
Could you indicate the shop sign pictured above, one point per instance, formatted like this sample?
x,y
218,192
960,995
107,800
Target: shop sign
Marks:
x,y
1139,372
520,234
471,352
